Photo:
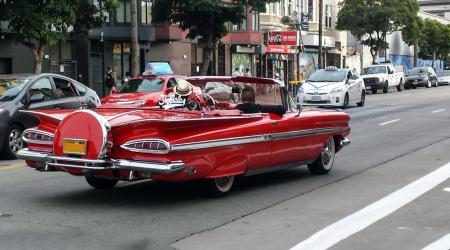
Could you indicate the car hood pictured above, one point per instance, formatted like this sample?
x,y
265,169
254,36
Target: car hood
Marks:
x,y
150,98
416,76
322,85
374,76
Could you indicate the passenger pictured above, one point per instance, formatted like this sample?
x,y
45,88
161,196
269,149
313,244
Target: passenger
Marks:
x,y
249,106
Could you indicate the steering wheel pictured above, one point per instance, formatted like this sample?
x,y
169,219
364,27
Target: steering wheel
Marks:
x,y
210,101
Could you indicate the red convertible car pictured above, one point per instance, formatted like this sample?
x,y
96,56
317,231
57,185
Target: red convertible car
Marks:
x,y
187,137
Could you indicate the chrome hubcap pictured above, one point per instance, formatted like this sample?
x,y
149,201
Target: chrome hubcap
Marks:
x,y
15,140
328,154
224,183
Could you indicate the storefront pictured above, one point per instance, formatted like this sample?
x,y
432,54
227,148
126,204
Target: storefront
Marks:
x,y
280,63
243,57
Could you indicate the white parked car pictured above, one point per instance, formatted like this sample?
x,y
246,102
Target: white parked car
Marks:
x,y
443,77
384,76
333,87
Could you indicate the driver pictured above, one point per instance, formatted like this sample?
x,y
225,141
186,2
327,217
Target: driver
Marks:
x,y
249,106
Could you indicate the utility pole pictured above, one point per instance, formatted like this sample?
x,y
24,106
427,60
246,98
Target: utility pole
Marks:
x,y
320,32
134,40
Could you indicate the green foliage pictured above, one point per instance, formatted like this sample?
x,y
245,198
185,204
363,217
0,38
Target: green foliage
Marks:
x,y
371,20
434,41
412,24
38,23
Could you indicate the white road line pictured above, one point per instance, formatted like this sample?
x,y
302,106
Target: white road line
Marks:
x,y
441,244
385,123
437,111
446,189
363,218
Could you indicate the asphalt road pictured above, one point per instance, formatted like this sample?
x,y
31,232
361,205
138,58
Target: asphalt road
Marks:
x,y
397,139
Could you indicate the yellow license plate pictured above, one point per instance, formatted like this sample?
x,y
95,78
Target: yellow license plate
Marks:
x,y
74,146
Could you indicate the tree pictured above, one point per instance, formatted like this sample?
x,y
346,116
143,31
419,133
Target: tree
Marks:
x,y
434,40
412,26
205,19
134,40
371,20
40,23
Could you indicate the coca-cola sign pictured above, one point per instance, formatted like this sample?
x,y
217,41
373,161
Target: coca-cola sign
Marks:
x,y
283,38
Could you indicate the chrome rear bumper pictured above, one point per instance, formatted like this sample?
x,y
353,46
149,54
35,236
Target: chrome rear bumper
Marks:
x,y
77,163
344,142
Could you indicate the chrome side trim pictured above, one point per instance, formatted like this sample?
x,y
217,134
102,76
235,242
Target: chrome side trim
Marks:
x,y
150,140
254,138
301,133
220,142
36,141
42,114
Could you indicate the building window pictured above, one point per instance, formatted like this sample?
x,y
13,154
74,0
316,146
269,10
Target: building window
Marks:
x,y
255,21
311,9
328,16
283,8
123,12
146,11
289,7
276,8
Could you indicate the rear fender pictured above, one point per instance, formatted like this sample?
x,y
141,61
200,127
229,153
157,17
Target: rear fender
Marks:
x,y
233,166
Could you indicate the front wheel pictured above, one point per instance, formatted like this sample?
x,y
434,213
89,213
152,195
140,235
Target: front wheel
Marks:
x,y
386,87
13,142
324,163
100,182
346,101
363,99
428,84
436,84
220,186
400,86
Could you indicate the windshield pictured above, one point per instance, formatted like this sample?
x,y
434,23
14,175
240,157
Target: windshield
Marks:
x,y
10,88
328,76
374,70
417,71
142,85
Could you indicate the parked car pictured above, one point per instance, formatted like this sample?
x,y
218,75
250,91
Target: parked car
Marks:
x,y
333,87
383,76
443,77
213,144
423,76
146,90
35,91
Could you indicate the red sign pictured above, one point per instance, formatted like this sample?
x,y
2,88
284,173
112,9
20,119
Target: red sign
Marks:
x,y
283,38
277,49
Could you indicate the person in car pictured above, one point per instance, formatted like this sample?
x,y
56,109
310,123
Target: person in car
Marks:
x,y
249,106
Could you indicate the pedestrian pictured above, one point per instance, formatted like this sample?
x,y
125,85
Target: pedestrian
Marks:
x,y
236,72
109,81
247,72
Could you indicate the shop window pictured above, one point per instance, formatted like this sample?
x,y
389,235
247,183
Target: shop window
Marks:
x,y
121,60
146,11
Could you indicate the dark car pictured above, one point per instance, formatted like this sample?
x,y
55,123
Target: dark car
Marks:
x,y
423,76
35,91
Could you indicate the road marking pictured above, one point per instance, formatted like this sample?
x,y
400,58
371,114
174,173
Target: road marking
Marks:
x,y
441,244
363,218
446,189
385,123
437,111
12,166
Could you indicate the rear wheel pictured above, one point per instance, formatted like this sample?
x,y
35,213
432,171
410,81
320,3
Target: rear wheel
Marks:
x,y
13,142
400,86
324,163
386,87
363,99
100,182
220,186
407,86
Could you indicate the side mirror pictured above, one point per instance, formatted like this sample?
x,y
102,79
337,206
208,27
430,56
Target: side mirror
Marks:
x,y
39,97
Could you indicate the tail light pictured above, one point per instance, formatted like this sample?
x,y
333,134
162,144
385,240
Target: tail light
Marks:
x,y
151,146
37,137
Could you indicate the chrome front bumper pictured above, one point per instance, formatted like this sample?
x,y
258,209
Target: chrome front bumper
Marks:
x,y
77,163
344,142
